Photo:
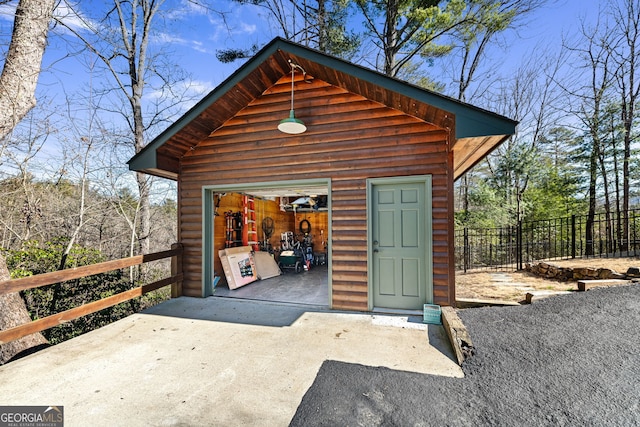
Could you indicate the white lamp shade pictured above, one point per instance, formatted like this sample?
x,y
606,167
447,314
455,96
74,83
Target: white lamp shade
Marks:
x,y
291,125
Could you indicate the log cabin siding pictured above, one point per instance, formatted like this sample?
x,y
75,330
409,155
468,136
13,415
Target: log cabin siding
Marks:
x,y
349,139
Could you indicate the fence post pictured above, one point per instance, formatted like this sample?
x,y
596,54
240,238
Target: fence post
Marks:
x,y
465,251
573,236
176,268
519,244
635,246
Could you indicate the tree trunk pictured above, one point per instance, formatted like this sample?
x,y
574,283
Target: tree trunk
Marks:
x,y
17,87
14,313
23,61
391,39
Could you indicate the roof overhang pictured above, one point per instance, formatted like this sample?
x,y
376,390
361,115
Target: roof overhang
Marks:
x,y
477,131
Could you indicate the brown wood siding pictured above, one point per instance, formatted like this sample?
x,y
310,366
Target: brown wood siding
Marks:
x,y
349,139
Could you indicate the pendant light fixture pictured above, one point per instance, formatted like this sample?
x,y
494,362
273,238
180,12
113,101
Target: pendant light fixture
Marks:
x,y
291,125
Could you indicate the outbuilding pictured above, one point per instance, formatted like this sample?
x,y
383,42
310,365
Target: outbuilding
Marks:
x,y
352,169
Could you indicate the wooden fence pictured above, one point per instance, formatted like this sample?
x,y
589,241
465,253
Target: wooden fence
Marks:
x,y
16,285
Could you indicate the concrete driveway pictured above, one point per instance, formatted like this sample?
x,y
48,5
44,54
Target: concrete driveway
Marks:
x,y
214,362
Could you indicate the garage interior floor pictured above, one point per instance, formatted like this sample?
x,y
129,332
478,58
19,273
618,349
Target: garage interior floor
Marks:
x,y
307,287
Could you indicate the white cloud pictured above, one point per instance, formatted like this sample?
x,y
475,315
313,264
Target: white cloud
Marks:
x,y
199,87
166,38
169,39
198,46
247,28
195,89
185,9
72,17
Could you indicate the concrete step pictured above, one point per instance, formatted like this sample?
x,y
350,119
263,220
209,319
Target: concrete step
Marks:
x,y
585,285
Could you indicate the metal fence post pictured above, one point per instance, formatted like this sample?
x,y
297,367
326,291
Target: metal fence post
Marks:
x,y
465,255
573,236
519,244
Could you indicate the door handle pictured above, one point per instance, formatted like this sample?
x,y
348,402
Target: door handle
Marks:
x,y
375,250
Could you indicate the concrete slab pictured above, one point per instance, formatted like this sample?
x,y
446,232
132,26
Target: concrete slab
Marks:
x,y
213,361
501,277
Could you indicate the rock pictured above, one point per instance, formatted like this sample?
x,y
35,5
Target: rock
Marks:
x,y
605,273
550,271
633,272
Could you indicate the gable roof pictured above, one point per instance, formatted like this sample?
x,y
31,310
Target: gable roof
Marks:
x,y
477,131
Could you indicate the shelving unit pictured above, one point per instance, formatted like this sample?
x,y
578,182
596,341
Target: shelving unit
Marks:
x,y
233,229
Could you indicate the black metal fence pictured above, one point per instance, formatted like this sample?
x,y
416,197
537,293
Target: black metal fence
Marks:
x,y
604,235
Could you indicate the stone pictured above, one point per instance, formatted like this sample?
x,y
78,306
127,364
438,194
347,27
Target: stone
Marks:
x,y
605,273
633,272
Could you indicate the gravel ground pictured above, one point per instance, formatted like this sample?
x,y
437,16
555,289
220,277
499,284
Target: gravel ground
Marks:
x,y
568,360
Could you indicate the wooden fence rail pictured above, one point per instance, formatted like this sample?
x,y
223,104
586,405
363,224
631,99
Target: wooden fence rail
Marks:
x,y
45,279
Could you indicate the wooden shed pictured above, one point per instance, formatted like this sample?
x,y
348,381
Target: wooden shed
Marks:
x,y
372,174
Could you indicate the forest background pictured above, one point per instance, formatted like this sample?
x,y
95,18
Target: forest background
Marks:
x,y
117,73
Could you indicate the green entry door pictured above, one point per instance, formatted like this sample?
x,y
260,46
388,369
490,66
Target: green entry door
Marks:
x,y
399,244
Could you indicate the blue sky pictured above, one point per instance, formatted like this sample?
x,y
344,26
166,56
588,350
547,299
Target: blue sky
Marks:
x,y
194,34
546,27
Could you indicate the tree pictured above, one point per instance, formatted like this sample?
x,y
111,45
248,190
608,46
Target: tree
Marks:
x,y
319,24
488,19
591,94
532,99
22,63
17,96
405,30
121,42
22,199
555,191
626,57
482,23
14,313
560,186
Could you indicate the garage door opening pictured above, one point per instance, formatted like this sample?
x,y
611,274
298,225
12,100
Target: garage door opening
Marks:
x,y
271,242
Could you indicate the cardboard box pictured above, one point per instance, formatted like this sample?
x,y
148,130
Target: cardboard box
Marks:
x,y
239,266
